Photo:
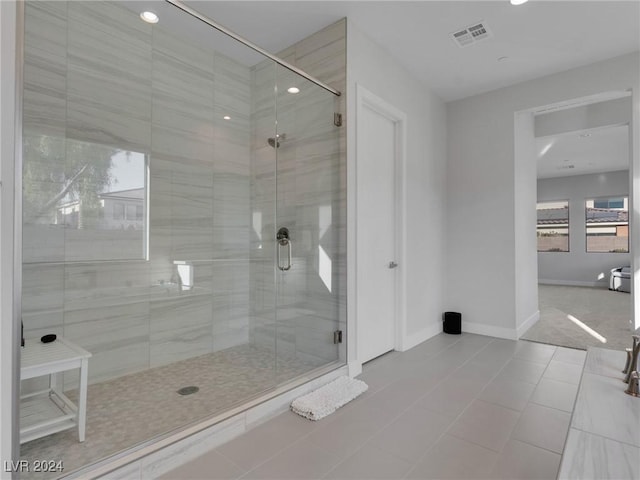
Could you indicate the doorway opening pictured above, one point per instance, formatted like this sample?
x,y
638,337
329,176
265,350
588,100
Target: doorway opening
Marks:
x,y
582,151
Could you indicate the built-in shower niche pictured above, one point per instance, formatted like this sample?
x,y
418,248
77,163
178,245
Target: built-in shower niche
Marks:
x,y
151,211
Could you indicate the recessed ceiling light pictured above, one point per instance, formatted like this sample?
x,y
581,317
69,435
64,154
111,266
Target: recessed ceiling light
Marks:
x,y
518,2
149,17
293,90
227,117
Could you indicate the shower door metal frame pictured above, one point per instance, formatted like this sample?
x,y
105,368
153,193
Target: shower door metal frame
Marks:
x,y
17,234
251,45
154,443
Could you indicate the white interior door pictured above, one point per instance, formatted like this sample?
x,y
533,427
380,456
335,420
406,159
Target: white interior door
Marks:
x,y
376,233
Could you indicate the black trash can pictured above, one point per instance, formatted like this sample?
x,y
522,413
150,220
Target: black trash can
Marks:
x,y
452,323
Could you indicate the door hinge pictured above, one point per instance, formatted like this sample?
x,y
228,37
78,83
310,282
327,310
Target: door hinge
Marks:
x,y
337,337
337,119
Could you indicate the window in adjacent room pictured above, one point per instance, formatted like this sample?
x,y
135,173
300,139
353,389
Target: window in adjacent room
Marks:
x,y
553,226
607,221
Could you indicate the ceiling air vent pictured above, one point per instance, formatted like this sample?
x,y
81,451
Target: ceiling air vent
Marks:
x,y
471,34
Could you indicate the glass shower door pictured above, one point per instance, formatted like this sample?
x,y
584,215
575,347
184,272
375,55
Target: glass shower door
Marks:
x,y
307,237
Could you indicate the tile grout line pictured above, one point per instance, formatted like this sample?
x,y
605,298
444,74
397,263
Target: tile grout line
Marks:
x,y
467,407
446,431
393,419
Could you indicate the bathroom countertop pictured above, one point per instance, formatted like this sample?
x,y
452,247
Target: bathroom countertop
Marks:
x,y
604,437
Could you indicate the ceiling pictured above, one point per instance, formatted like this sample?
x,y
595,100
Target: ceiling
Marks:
x,y
582,152
537,38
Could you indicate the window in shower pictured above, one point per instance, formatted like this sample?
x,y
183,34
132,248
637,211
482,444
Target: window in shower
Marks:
x,y
96,195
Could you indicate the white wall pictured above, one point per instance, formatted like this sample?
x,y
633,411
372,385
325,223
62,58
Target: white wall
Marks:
x,y
577,267
8,407
482,204
600,114
371,66
525,221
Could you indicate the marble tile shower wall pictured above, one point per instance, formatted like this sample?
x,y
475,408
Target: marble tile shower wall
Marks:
x,y
95,73
309,194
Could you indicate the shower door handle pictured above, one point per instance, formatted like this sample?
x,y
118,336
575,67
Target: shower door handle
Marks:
x,y
284,241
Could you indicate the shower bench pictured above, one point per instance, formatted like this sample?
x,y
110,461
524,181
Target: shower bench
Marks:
x,y
49,411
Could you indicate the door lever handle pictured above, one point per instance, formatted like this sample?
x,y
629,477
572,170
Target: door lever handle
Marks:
x,y
393,264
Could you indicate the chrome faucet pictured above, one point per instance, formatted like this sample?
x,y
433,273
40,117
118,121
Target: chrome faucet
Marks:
x,y
633,364
628,363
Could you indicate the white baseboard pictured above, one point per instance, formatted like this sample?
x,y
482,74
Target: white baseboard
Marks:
x,y
572,283
489,330
354,368
528,323
417,338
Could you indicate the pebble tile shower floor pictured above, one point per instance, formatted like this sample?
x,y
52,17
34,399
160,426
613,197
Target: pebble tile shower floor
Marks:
x,y
134,408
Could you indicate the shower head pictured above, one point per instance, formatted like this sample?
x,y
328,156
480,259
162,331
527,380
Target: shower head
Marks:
x,y
275,142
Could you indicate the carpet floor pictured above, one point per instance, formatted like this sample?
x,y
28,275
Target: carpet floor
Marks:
x,y
606,312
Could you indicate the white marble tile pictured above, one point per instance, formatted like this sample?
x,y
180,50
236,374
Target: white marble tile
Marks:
x,y
117,337
174,455
44,98
510,394
543,427
100,75
555,394
588,456
128,472
485,424
570,355
180,328
232,85
604,409
534,352
370,462
454,457
522,371
42,243
108,79
181,145
563,372
42,288
522,461
173,112
606,362
46,27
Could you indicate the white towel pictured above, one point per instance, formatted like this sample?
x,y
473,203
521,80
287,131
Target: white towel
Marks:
x,y
328,398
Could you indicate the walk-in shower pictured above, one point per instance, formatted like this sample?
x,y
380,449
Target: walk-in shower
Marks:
x,y
160,161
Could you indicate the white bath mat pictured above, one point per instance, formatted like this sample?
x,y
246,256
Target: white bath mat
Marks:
x,y
328,398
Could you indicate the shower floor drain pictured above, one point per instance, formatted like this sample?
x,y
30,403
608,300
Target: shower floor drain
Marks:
x,y
188,390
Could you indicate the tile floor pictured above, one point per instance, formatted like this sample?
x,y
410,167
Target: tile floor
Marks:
x,y
131,409
465,406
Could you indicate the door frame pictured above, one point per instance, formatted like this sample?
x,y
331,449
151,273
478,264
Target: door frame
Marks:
x,y
367,99
521,154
